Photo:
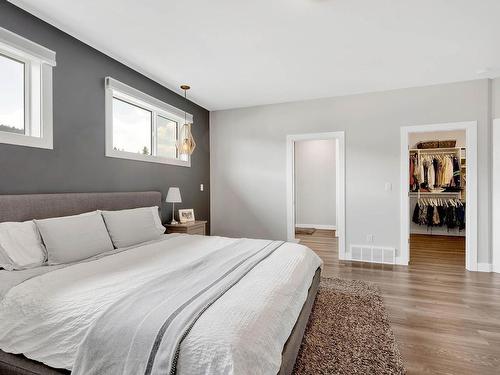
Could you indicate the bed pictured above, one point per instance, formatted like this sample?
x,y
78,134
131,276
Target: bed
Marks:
x,y
54,317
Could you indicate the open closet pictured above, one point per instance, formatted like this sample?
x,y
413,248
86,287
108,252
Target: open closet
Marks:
x,y
437,189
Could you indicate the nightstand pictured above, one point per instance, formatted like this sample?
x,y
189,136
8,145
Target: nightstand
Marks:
x,y
193,227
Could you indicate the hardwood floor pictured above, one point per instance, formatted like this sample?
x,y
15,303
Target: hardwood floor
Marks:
x,y
446,319
441,250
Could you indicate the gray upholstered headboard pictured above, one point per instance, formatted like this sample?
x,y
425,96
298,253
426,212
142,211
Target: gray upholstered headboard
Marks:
x,y
41,206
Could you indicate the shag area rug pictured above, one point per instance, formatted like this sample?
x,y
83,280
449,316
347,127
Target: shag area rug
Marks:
x,y
348,332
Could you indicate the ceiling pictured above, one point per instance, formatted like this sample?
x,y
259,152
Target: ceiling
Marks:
x,y
237,53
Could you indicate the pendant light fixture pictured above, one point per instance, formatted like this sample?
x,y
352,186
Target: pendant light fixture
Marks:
x,y
186,143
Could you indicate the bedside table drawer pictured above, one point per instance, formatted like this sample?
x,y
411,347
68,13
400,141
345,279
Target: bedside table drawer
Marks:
x,y
197,230
196,227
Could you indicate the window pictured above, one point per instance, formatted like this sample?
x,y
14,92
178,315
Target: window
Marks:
x,y
140,127
25,92
132,128
12,96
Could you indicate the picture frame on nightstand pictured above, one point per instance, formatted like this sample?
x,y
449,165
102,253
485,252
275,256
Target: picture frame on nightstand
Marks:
x,y
186,215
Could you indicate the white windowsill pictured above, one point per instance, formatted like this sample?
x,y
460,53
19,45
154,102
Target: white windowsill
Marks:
x,y
147,158
26,140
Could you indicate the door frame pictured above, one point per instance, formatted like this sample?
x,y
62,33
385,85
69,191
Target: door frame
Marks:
x,y
496,196
470,128
339,136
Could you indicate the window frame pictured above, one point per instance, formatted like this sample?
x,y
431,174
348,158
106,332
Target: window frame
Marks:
x,y
130,95
38,63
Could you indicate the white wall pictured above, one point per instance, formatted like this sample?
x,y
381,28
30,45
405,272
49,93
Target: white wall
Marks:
x,y
315,183
248,158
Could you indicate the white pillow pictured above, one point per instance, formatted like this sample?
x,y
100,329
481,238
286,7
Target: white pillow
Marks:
x,y
72,238
134,226
20,246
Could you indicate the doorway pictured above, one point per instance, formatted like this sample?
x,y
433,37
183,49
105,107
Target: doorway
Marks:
x,y
438,195
315,191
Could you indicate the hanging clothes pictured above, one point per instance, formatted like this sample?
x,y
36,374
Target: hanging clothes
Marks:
x,y
423,216
447,172
425,181
439,174
451,217
431,176
414,179
412,172
460,211
442,214
429,215
456,172
449,213
430,171
435,218
420,172
416,214
435,164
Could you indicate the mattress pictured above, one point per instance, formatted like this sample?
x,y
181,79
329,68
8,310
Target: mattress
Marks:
x,y
46,314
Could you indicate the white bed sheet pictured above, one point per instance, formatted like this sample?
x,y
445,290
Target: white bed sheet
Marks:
x,y
46,317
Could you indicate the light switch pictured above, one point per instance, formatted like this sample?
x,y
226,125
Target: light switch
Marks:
x,y
201,187
388,186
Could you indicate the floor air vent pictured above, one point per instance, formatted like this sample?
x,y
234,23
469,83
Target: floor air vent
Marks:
x,y
373,254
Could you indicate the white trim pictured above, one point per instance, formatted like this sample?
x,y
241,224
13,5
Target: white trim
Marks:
x,y
117,89
131,94
317,226
484,267
26,47
496,196
340,183
337,185
211,175
38,63
471,192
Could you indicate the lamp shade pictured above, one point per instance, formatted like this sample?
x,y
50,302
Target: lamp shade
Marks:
x,y
173,195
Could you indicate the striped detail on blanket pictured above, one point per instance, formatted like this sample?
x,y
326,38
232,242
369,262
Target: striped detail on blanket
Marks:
x,y
226,283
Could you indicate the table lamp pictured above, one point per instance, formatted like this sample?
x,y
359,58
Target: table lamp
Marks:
x,y
173,196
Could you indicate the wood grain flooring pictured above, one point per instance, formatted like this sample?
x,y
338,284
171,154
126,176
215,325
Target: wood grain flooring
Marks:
x,y
446,319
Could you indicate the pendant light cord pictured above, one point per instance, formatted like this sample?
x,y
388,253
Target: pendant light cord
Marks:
x,y
185,98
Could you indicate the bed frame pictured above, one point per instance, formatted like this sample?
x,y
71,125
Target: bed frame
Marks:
x,y
41,206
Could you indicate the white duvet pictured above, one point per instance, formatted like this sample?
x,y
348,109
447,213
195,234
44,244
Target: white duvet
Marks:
x,y
46,317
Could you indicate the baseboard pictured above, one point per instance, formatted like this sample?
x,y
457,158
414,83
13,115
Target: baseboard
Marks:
x,y
484,267
401,262
316,226
496,268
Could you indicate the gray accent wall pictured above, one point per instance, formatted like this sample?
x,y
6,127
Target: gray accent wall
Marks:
x,y
249,158
77,163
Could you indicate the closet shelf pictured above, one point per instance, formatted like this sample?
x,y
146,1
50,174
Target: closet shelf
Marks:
x,y
435,194
433,150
